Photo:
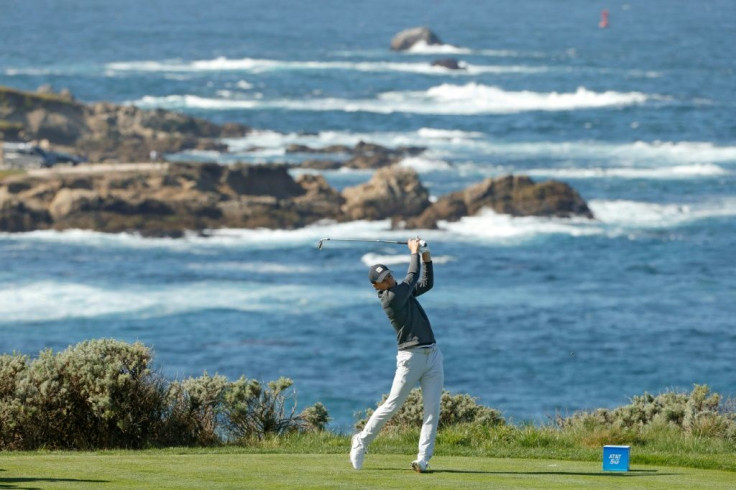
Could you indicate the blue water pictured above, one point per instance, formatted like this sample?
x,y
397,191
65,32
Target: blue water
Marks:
x,y
534,316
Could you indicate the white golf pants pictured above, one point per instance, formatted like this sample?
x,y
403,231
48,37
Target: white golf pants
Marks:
x,y
421,365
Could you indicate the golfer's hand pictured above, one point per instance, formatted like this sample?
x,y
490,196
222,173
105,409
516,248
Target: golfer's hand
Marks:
x,y
413,244
424,251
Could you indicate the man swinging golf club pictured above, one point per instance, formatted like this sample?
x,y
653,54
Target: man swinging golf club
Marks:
x,y
418,360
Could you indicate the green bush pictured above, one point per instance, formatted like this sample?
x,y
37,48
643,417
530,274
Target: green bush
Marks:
x,y
454,409
252,411
697,414
96,394
102,394
192,410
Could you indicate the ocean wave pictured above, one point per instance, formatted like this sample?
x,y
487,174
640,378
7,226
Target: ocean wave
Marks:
x,y
422,47
399,258
256,267
445,99
488,225
636,214
55,300
704,170
253,65
423,165
273,142
640,154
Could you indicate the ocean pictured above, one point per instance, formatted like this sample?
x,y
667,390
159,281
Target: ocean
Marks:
x,y
536,317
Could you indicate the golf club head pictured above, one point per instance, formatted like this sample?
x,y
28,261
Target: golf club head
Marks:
x,y
319,244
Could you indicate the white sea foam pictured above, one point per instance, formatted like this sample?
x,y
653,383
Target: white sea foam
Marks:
x,y
448,99
705,170
422,47
692,157
448,134
634,214
173,102
424,165
258,267
51,300
272,142
681,158
253,65
399,258
491,226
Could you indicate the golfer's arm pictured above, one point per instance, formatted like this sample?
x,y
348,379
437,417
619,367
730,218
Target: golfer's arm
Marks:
x,y
412,275
427,281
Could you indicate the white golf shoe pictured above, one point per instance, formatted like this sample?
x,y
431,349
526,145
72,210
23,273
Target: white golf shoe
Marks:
x,y
419,466
357,452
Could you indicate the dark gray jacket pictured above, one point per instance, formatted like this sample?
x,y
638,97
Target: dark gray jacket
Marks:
x,y
404,311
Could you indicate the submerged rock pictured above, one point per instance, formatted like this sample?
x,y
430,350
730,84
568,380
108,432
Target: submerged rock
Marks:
x,y
449,63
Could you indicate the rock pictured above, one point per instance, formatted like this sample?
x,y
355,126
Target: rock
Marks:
x,y
449,63
71,201
170,199
262,180
108,132
407,38
167,200
514,195
298,148
393,192
321,164
362,156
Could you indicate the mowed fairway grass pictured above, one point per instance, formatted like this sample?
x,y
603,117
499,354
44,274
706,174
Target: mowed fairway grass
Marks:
x,y
187,468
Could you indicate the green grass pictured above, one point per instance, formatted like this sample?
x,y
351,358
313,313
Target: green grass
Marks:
x,y
238,468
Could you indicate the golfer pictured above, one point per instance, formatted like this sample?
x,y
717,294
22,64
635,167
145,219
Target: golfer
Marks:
x,y
419,360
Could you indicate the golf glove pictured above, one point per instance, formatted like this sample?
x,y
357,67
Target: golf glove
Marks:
x,y
423,247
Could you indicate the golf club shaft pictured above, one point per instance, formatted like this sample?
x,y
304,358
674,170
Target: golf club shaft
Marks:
x,y
399,242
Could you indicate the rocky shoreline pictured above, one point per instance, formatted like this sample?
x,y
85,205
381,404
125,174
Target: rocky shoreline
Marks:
x,y
169,199
173,198
105,132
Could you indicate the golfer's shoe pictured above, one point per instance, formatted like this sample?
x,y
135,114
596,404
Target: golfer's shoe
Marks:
x,y
357,452
419,466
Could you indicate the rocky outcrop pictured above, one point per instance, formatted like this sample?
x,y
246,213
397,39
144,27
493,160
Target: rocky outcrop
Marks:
x,y
362,156
514,195
166,200
393,192
106,132
169,199
407,38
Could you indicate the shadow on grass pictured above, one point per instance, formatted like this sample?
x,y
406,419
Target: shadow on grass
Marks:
x,y
14,482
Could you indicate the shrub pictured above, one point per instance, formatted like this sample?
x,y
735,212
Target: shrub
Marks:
x,y
252,411
697,413
192,410
454,409
102,394
96,394
12,367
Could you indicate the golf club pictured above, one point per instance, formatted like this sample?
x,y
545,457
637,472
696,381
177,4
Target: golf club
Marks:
x,y
399,242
